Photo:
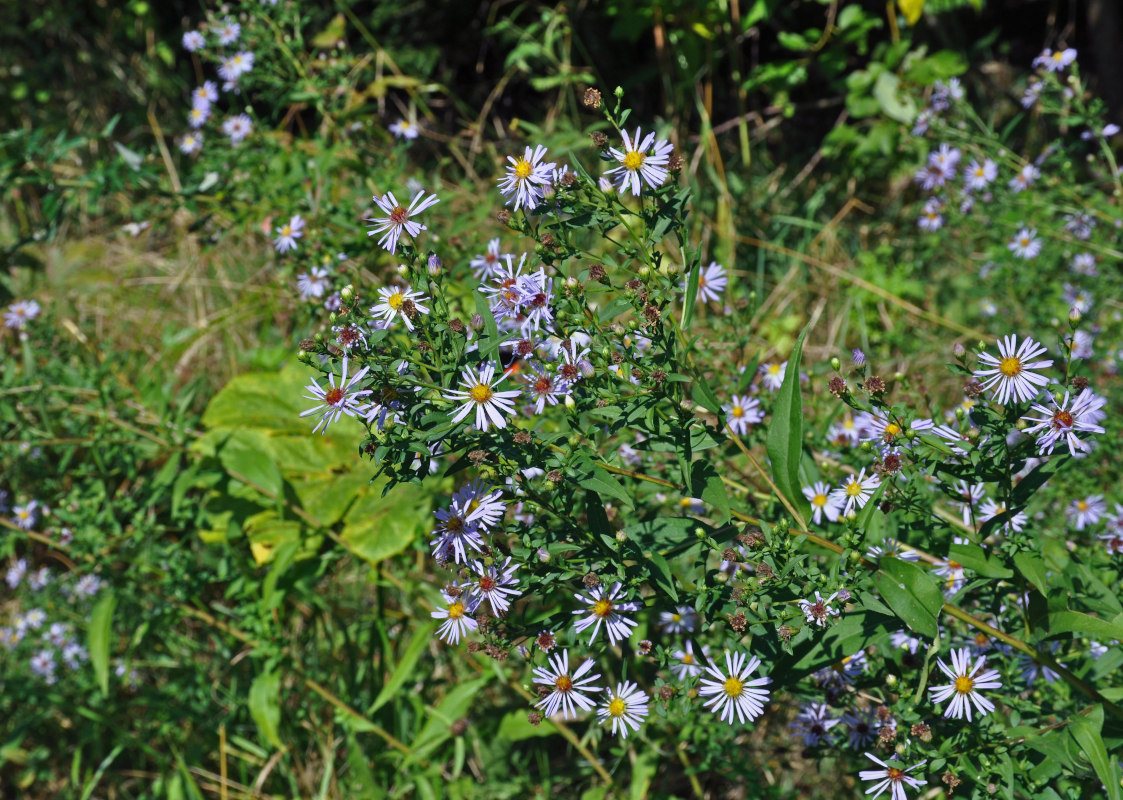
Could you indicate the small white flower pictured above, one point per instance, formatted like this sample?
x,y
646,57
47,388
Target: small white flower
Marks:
x,y
313,283
1055,61
1025,244
1086,511
991,509
772,375
731,692
822,503
892,776
457,615
818,611
1064,422
1084,264
642,157
229,32
405,129
191,143
603,608
742,413
288,233
682,620
485,266
479,393
1025,178
569,690
237,127
1012,375
856,491
27,515
526,179
235,66
20,313
335,401
711,283
398,302
193,41
979,176
398,218
813,723
626,706
491,585
967,680
686,664
205,95
198,115
891,548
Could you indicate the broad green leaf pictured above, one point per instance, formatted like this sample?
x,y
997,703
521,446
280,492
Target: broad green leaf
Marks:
x,y
706,484
785,433
265,707
663,577
1085,625
377,528
912,593
403,670
250,465
972,557
897,106
1032,569
704,396
1026,487
515,727
603,483
1086,730
98,636
283,557
489,341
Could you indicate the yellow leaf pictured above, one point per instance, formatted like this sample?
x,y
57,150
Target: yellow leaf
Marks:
x,y
911,9
261,551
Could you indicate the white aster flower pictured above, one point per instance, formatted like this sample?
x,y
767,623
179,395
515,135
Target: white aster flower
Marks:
x,y
543,388
819,610
457,614
492,584
205,95
813,723
313,283
1025,244
772,375
892,776
486,266
568,693
967,680
603,608
682,620
335,401
891,548
1084,264
237,127
398,218
288,233
20,313
856,491
731,692
526,178
235,66
711,283
198,115
1012,375
626,706
191,143
742,413
642,157
991,509
399,302
1055,61
193,41
822,503
1025,178
479,394
979,176
1086,511
405,129
1063,422
686,664
229,32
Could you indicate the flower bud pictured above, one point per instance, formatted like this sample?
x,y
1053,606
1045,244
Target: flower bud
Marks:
x,y
347,294
958,350
569,401
434,265
333,318
835,363
586,368
621,536
403,269
619,92
1074,316
571,282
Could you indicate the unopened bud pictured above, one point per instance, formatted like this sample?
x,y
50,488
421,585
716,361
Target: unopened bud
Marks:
x,y
403,269
571,282
619,92
835,363
434,265
960,414
586,368
477,322
569,401
1074,316
347,294
1058,397
621,536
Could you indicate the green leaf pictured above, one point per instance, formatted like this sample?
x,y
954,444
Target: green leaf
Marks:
x,y
405,666
912,593
973,557
1086,730
265,707
250,465
515,727
704,396
377,528
706,484
899,107
663,577
98,636
1036,479
1032,569
603,483
691,294
785,433
1085,625
489,341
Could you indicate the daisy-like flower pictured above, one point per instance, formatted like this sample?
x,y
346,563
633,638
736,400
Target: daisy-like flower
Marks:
x,y
856,491
626,706
405,129
731,692
20,313
1025,244
312,284
818,611
843,672
482,505
335,401
742,413
398,218
288,233
1025,178
568,689
931,218
682,620
198,115
1086,511
979,176
891,548
892,777
813,723
16,572
991,509
1078,298
456,613
604,608
238,127
229,32
970,495
479,393
526,178
26,516
772,375
1055,61
454,535
492,584
1063,422
953,575
543,388
1012,375
399,302
1032,670
191,143
905,641
193,41
967,680
1080,225
642,157
686,664
235,66
205,95
1084,264
822,503
711,283
487,266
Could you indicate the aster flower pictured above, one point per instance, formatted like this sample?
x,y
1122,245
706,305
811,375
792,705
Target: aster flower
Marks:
x,y
234,67
335,401
1055,61
603,608
479,393
991,509
626,706
191,143
1012,375
350,336
642,157
399,302
543,388
457,614
1025,244
813,723
892,776
568,689
818,611
492,584
482,504
198,115
711,283
1063,422
237,127
27,515
398,218
526,178
1084,264
891,548
229,32
931,217
904,640
979,176
313,283
1033,670
16,573
842,672
288,233
405,129
856,491
1078,298
686,664
682,620
454,534
20,313
1085,511
742,413
731,692
205,95
772,375
967,680
953,575
486,266
43,666
193,41
1025,178
822,503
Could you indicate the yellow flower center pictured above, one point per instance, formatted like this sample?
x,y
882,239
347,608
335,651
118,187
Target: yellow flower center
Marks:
x,y
964,685
853,489
1081,505
738,412
481,393
602,608
676,617
564,683
1058,56
687,658
395,300
894,773
633,160
1010,366
523,169
892,429
733,687
774,369
455,610
819,500
616,707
